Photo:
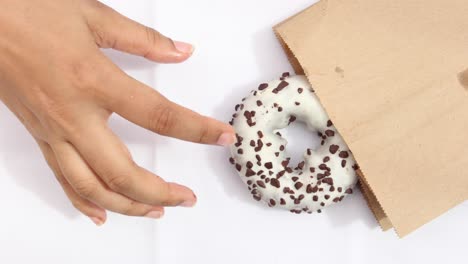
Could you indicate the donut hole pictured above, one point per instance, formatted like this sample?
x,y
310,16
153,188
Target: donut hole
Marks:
x,y
300,138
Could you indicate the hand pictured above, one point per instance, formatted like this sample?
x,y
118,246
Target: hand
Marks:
x,y
56,80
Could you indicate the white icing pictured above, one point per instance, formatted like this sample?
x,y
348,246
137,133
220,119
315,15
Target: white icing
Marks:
x,y
269,119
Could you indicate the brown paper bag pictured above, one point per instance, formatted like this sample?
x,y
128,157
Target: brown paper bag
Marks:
x,y
393,76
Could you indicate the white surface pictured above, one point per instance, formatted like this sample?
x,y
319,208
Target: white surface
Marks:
x,y
236,50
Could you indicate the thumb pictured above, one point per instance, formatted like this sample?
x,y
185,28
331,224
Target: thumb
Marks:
x,y
113,30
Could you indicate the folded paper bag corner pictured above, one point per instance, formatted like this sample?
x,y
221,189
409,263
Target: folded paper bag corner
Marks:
x,y
392,96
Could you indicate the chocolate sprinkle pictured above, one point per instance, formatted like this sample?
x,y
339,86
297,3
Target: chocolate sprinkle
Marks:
x,y
259,145
343,163
268,165
274,182
260,134
300,90
263,86
249,164
329,133
280,174
323,167
259,103
328,181
261,184
292,119
334,148
280,87
298,185
282,201
344,154
272,202
301,165
250,173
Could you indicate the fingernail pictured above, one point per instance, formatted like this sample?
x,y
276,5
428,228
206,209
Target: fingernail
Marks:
x,y
188,203
183,47
97,221
226,139
155,214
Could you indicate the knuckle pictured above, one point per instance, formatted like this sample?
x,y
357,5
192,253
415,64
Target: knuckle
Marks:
x,y
161,119
55,116
78,205
119,182
152,36
83,74
165,198
165,201
86,188
35,129
102,39
129,210
153,39
204,134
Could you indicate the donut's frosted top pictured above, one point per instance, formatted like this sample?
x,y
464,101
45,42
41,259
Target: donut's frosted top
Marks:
x,y
325,175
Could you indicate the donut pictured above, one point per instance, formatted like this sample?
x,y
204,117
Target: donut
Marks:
x,y
325,176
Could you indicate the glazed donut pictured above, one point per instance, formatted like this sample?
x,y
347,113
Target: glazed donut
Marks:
x,y
324,177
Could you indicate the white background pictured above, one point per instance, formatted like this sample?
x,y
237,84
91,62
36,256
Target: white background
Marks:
x,y
235,50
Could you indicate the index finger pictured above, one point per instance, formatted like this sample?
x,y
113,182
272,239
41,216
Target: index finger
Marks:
x,y
147,108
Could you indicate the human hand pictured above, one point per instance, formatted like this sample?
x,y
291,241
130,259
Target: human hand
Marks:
x,y
55,79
